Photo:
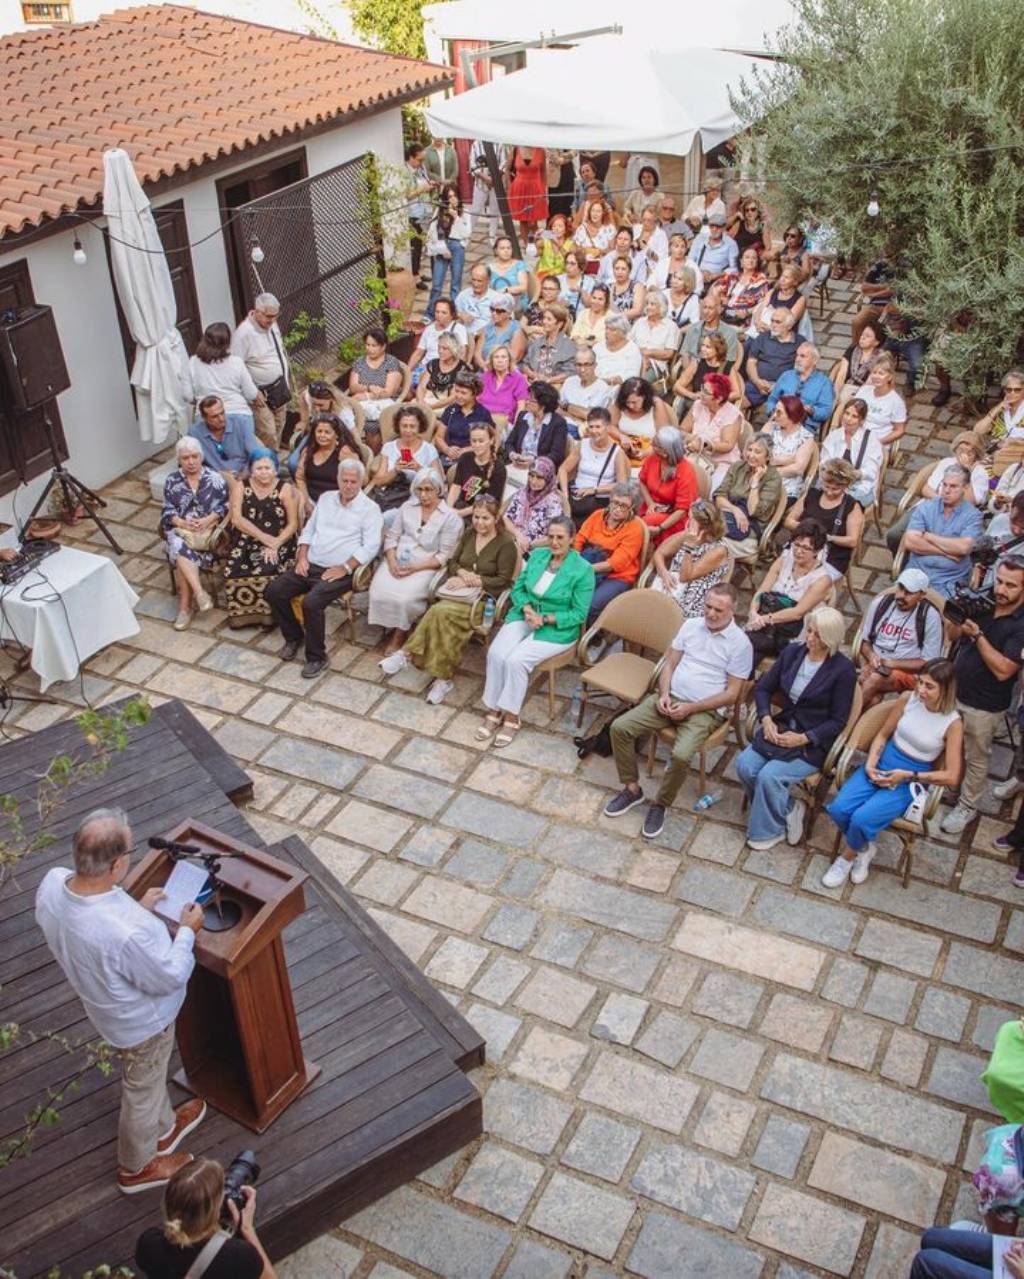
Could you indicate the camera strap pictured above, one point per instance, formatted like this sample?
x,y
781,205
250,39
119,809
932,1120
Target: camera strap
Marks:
x,y
208,1255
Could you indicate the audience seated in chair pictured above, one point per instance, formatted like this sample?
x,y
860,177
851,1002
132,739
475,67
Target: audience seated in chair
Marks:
x,y
195,502
612,541
265,521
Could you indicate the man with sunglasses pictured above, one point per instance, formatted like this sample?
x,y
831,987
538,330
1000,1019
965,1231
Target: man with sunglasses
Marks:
x,y
227,439
584,390
130,975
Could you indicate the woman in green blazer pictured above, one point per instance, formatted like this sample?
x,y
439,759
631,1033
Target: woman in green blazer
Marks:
x,y
549,606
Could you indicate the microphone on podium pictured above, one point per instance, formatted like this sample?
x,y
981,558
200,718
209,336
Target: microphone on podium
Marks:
x,y
171,846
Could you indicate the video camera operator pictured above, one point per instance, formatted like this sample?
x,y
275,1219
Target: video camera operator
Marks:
x,y
988,658
1004,536
191,1243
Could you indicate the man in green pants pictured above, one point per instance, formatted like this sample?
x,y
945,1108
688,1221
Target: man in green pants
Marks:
x,y
703,672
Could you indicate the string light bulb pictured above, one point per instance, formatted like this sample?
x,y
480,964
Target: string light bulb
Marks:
x,y
78,253
874,208
256,252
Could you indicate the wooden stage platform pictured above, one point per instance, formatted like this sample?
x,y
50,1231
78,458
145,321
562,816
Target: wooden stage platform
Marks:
x,y
392,1097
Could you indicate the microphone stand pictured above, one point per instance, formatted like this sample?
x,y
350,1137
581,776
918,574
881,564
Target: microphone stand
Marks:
x,y
219,914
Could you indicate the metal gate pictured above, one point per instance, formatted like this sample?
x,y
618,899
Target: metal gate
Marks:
x,y
318,246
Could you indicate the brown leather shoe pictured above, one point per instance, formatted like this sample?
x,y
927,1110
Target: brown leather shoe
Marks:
x,y
157,1172
187,1116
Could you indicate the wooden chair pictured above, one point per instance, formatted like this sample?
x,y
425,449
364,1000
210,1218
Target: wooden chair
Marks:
x,y
477,612
718,738
811,469
704,477
643,619
859,741
387,423
810,791
873,511
749,563
821,287
933,597
406,387
360,582
915,489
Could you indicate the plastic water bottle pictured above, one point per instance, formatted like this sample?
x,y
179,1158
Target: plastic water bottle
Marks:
x,y
488,618
576,703
404,556
705,801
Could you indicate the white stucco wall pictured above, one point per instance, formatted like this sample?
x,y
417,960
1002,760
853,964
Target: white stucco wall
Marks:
x,y
97,410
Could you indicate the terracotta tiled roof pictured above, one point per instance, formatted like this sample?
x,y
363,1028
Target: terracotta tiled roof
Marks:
x,y
175,88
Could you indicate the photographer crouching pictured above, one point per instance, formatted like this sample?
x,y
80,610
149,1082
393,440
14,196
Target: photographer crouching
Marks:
x,y
193,1241
988,633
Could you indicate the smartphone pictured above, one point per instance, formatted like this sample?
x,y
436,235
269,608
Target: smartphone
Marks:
x,y
405,455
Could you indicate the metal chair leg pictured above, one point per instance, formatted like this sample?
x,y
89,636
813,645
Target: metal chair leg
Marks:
x,y
906,856
551,694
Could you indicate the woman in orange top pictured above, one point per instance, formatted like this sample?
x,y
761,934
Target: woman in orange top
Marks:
x,y
668,484
612,539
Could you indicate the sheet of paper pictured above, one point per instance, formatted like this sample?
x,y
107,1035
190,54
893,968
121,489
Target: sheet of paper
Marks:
x,y
1001,1245
185,883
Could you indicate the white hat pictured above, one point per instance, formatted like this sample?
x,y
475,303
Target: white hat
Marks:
x,y
913,579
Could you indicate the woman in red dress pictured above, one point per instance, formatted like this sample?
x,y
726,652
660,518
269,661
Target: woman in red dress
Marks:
x,y
528,194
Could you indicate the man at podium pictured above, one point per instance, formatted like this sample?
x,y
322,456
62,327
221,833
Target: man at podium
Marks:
x,y
131,976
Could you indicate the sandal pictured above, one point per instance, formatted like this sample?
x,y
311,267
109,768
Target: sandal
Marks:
x,y
507,734
488,728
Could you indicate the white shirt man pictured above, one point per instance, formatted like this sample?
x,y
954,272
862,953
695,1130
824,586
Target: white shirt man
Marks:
x,y
584,390
700,680
131,977
473,304
619,359
259,342
343,533
861,450
902,630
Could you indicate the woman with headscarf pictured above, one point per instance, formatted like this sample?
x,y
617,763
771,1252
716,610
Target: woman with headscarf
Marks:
x,y
668,484
265,518
534,507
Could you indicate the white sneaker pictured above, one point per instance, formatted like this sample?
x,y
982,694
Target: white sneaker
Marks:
x,y
1007,789
795,822
957,819
203,601
762,845
859,871
393,663
974,1227
184,620
439,690
838,873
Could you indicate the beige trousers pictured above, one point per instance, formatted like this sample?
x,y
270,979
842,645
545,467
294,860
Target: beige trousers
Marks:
x,y
146,1110
979,729
269,423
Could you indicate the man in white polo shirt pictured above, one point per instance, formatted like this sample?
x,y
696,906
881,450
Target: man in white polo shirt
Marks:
x,y
584,390
702,676
120,961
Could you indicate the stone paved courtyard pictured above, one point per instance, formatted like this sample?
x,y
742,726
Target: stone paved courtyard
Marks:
x,y
700,1062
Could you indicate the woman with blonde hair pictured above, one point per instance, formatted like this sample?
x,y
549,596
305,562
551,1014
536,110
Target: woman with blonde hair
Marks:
x,y
191,1230
812,686
688,564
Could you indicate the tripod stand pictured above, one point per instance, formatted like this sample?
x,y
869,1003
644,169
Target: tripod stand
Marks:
x,y
73,491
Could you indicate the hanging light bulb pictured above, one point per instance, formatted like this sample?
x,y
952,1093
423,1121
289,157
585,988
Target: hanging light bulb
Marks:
x,y
874,208
78,253
256,253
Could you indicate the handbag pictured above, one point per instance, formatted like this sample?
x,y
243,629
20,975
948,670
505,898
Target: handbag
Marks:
x,y
203,539
775,602
914,811
391,496
277,393
452,590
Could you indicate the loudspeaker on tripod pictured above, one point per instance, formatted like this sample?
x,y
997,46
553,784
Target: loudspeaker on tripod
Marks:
x,y
31,354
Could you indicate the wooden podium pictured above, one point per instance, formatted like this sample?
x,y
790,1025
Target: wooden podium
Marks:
x,y
237,1033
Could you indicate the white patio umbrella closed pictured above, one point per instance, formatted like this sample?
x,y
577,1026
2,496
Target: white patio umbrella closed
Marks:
x,y
160,373
574,98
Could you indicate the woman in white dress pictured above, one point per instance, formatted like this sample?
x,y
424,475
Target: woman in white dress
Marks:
x,y
887,409
421,539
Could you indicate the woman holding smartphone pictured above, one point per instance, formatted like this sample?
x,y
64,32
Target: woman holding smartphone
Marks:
x,y
922,740
403,458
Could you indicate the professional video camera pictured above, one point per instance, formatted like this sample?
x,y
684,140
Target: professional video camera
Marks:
x,y
985,550
966,605
242,1171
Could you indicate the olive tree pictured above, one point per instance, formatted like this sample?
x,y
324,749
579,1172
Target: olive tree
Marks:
x,y
920,105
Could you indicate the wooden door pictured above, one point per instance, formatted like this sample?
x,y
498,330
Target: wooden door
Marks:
x,y
24,451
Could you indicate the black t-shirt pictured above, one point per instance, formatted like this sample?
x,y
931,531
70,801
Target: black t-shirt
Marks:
x,y
976,686
158,1259
474,479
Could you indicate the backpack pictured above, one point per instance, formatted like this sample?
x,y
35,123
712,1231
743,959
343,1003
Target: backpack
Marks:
x,y
886,607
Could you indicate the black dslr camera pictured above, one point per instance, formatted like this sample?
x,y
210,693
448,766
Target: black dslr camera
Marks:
x,y
966,605
242,1171
985,551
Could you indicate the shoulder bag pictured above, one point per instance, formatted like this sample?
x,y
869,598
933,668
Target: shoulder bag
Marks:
x,y
277,393
208,1255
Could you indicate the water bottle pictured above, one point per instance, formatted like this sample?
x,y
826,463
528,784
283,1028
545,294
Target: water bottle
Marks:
x,y
576,703
705,801
488,617
404,556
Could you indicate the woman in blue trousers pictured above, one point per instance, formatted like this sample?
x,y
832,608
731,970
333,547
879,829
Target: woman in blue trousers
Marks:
x,y
921,727
960,1254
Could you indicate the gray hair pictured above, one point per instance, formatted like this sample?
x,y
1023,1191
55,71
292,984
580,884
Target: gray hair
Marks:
x,y
427,476
627,490
660,301
266,302
352,464
447,339
785,317
830,625
809,346
563,521
669,439
187,444
618,324
99,841
958,471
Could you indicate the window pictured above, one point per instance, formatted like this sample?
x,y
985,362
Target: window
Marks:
x,y
34,13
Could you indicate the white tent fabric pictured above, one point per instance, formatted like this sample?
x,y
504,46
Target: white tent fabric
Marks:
x,y
744,25
571,99
160,373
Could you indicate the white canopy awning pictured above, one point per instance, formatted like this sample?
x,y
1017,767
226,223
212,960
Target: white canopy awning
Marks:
x,y
746,25
160,372
576,98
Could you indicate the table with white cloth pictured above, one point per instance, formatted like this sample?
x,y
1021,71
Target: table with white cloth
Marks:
x,y
65,610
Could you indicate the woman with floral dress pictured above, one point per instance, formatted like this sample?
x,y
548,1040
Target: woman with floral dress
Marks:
x,y
688,564
195,500
265,517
